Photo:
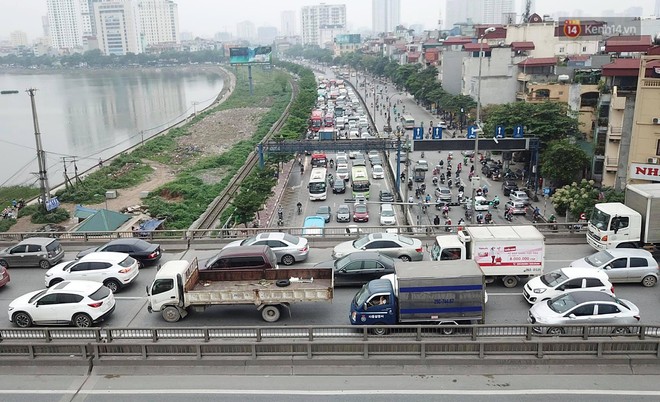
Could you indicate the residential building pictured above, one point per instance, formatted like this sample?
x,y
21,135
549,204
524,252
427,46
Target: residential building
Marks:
x,y
18,38
346,43
266,35
65,23
463,11
385,15
159,20
657,8
117,25
45,26
497,11
87,17
288,23
245,30
314,19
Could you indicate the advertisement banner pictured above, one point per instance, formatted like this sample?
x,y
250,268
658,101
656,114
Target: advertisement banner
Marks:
x,y
644,171
496,257
250,55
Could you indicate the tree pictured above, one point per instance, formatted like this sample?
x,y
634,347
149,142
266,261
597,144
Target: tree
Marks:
x,y
578,198
563,161
548,120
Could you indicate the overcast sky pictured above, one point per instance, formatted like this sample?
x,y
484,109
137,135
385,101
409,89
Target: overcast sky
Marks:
x,y
206,17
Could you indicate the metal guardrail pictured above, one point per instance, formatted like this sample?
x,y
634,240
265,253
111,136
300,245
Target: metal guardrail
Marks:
x,y
339,232
524,332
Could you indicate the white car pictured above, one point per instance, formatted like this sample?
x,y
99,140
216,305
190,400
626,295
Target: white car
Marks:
x,y
354,154
377,172
387,215
372,154
114,270
564,280
520,196
341,154
79,303
481,203
342,172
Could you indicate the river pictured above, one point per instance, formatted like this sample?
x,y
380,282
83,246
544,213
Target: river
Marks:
x,y
92,114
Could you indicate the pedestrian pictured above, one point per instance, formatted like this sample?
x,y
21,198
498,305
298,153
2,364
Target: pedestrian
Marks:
x,y
100,162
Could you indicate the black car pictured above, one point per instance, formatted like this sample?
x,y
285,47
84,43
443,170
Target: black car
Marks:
x,y
141,250
339,186
386,196
508,186
325,212
359,267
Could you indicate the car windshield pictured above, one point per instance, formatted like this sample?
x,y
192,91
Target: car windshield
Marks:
x,y
322,210
362,296
361,208
38,295
342,210
562,304
599,259
342,262
387,212
100,294
361,242
554,278
249,241
599,219
291,239
67,266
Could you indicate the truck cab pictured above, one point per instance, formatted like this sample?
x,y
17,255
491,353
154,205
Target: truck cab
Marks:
x,y
166,292
447,248
374,304
613,225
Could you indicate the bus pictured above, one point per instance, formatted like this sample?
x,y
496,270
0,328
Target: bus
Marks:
x,y
319,160
316,120
318,184
408,122
360,182
313,226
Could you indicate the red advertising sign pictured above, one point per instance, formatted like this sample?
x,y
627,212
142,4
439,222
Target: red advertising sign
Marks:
x,y
645,171
572,28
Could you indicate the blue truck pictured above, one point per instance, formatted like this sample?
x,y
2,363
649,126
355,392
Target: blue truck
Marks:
x,y
447,293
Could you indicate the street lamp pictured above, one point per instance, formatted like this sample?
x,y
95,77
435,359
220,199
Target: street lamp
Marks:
x,y
478,121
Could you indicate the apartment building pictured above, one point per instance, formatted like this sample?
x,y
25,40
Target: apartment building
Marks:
x,y
385,15
118,27
159,20
65,23
317,19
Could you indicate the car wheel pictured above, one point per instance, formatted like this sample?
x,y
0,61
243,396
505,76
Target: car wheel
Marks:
x,y
82,320
54,282
22,319
171,314
288,259
4,263
405,258
649,281
510,281
627,245
555,331
270,313
112,284
44,264
620,331
380,331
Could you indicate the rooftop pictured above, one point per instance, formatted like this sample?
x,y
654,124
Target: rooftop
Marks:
x,y
538,62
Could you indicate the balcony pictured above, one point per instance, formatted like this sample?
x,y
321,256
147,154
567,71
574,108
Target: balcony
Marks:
x,y
611,164
615,133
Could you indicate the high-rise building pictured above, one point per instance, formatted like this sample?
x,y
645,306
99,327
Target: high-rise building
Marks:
x,y
245,30
117,24
385,15
496,11
462,11
288,27
65,21
657,8
159,20
18,38
87,16
266,35
45,25
327,17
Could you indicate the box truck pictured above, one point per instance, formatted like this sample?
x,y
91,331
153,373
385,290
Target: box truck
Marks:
x,y
509,253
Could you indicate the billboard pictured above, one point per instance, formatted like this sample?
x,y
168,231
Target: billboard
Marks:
x,y
348,38
250,55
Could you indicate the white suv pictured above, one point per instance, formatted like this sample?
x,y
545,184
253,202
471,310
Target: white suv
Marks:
x,y
565,280
114,270
80,303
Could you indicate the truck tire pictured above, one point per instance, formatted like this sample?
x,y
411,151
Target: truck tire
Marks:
x,y
171,314
510,281
270,313
379,331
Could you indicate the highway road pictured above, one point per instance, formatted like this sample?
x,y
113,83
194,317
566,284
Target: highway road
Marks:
x,y
505,306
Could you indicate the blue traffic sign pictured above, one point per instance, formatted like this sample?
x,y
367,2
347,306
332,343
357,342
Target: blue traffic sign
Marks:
x,y
418,133
437,133
472,132
518,131
499,132
52,204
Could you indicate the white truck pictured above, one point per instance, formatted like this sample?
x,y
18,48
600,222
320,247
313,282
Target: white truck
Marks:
x,y
508,253
633,224
180,285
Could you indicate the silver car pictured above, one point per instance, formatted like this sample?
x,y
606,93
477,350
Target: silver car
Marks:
x,y
520,196
287,248
343,213
623,265
583,307
394,245
41,252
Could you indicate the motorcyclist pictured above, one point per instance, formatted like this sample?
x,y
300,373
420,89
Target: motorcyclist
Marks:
x,y
436,221
445,211
428,198
442,178
435,181
448,225
332,163
488,217
496,201
411,199
299,205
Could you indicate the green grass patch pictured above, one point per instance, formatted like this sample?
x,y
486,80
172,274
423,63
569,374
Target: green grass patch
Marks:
x,y
5,224
7,194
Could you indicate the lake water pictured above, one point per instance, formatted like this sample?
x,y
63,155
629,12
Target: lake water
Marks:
x,y
92,114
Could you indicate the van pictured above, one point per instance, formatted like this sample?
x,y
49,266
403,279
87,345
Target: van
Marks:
x,y
244,257
387,215
41,252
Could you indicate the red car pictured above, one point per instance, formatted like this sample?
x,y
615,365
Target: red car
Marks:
x,y
361,214
4,276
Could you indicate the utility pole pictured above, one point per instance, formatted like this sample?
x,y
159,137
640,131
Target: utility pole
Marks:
x,y
41,155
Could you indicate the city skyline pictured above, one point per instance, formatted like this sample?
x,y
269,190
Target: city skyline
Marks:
x,y
204,18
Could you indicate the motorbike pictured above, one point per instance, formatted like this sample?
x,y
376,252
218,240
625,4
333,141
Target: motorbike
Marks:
x,y
410,184
299,208
435,181
442,178
495,202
